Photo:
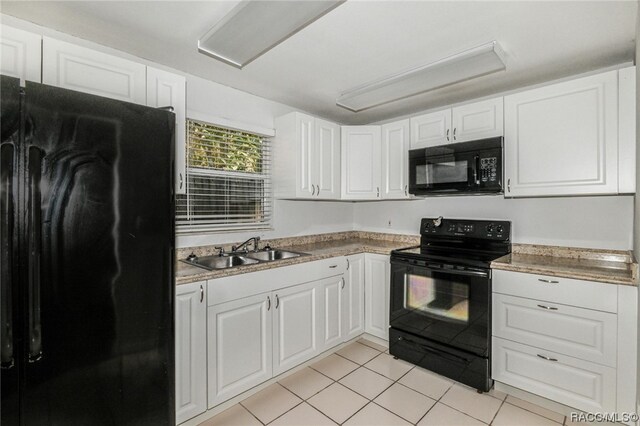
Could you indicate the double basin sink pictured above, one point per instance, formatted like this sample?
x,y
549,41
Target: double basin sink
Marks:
x,y
233,260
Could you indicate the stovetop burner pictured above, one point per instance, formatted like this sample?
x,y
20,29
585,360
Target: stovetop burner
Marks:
x,y
458,241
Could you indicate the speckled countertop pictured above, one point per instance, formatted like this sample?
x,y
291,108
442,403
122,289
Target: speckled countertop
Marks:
x,y
321,246
607,266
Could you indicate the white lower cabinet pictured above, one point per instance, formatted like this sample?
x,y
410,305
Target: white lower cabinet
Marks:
x,y
333,301
376,295
239,346
566,340
353,297
297,324
190,350
571,381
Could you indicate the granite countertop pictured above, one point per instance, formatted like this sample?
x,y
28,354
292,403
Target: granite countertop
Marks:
x,y
316,247
606,266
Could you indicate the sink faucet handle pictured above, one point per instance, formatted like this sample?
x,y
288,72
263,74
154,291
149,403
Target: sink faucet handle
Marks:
x,y
220,251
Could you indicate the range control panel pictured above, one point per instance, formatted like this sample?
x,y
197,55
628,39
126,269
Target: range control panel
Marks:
x,y
482,229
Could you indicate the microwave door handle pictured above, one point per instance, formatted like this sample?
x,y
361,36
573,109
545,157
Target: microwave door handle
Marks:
x,y
476,169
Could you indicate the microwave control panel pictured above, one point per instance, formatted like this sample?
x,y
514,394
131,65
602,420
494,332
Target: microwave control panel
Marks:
x,y
489,169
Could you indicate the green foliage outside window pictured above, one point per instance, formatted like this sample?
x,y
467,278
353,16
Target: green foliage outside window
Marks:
x,y
212,147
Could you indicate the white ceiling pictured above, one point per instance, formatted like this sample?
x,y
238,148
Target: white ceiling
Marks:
x,y
361,41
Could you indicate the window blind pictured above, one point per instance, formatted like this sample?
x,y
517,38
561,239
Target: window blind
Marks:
x,y
228,182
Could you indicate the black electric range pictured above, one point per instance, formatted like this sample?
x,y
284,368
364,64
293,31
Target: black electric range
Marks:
x,y
440,313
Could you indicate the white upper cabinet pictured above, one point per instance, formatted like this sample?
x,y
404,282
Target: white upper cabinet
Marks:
x,y
627,129
312,146
478,120
327,160
85,70
395,160
562,139
191,350
361,162
431,129
20,54
165,89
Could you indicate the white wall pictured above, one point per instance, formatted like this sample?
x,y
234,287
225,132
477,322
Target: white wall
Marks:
x,y
598,222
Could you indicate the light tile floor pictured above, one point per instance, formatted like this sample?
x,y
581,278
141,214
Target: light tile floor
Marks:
x,y
362,384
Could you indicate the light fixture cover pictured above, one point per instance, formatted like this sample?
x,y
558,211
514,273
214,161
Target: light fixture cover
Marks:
x,y
472,63
255,26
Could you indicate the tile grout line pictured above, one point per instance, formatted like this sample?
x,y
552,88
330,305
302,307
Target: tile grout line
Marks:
x,y
498,411
437,401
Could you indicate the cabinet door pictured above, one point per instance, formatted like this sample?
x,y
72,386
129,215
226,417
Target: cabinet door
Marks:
x,y
333,294
239,346
376,295
361,165
20,54
168,89
431,129
571,381
478,120
191,350
306,151
563,139
296,325
85,70
395,160
327,160
627,129
353,298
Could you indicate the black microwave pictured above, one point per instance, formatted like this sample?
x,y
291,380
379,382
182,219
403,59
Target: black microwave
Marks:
x,y
462,168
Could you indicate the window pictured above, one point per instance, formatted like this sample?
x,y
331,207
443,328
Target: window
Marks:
x,y
228,185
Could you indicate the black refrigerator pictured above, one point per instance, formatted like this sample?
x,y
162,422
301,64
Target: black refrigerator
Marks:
x,y
87,237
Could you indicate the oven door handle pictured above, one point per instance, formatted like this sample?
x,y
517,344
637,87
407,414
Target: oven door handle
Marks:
x,y
411,267
442,354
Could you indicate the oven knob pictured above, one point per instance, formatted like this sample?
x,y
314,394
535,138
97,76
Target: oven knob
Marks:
x,y
499,229
490,228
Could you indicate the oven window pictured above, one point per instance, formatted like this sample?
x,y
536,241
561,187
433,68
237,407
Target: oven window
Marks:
x,y
440,298
434,173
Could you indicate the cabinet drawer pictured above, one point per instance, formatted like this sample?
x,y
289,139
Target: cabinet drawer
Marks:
x,y
581,333
585,294
570,381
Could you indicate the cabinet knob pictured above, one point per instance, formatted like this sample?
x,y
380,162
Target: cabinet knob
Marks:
x,y
509,185
268,303
313,190
454,133
201,293
181,181
378,191
448,134
343,283
277,301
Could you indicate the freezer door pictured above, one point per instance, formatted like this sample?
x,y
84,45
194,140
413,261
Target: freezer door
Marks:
x,y
99,247
10,329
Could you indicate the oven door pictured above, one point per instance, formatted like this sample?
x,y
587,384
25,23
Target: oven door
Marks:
x,y
442,303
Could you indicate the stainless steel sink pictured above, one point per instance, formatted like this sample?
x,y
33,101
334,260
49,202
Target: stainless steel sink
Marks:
x,y
271,255
221,262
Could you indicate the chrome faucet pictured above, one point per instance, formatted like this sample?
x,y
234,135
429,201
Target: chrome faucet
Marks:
x,y
255,240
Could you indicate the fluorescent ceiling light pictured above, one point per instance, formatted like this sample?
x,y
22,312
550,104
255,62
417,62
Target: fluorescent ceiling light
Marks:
x,y
476,62
254,27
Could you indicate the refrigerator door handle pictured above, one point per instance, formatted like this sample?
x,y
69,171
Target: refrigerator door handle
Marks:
x,y
35,240
6,242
